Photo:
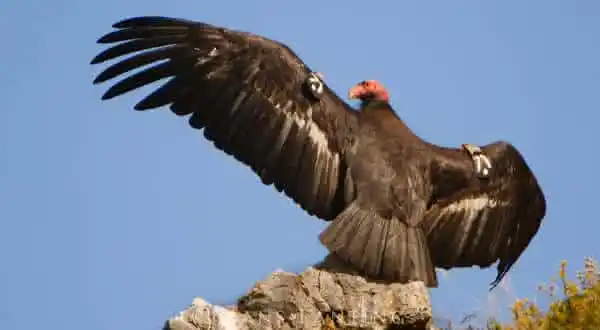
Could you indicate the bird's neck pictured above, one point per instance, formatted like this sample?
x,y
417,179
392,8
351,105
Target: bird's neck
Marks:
x,y
375,105
381,114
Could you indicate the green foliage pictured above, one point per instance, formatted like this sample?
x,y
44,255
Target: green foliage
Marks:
x,y
575,304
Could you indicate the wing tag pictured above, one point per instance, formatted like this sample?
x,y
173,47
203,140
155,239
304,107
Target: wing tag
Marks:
x,y
314,84
482,165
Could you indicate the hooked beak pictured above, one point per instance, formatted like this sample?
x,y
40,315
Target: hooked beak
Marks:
x,y
355,92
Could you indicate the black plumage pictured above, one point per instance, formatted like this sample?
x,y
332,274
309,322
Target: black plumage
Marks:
x,y
398,206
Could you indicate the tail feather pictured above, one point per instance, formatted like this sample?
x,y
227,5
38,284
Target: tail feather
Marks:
x,y
386,249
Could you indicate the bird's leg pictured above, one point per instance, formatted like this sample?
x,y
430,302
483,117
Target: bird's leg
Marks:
x,y
481,162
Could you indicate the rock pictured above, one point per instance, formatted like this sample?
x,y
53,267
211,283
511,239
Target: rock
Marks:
x,y
329,295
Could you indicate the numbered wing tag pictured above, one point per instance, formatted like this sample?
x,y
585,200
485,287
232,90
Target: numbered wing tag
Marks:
x,y
314,84
482,164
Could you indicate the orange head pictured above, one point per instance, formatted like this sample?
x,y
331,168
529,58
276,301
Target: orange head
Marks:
x,y
368,90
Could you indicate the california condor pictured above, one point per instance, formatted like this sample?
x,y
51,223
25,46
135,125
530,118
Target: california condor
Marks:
x,y
398,205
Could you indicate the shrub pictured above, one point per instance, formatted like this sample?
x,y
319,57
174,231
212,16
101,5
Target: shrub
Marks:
x,y
575,304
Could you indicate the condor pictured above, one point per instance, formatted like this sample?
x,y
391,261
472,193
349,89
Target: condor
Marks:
x,y
398,206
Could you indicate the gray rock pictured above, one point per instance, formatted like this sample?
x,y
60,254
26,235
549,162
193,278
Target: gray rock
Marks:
x,y
329,295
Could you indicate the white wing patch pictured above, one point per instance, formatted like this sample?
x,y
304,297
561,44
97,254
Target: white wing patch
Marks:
x,y
476,209
315,134
327,162
473,211
476,204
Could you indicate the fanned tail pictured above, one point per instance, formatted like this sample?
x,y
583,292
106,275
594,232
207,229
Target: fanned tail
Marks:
x,y
383,249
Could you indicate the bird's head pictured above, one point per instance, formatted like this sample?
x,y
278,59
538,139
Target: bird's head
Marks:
x,y
369,90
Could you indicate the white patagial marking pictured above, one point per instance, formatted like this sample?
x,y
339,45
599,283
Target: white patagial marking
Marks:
x,y
326,165
315,134
329,162
287,125
483,219
475,204
472,208
318,137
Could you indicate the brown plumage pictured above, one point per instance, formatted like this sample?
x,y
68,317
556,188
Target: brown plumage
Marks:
x,y
399,206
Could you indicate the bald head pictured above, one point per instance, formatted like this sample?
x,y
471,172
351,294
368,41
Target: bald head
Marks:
x,y
369,90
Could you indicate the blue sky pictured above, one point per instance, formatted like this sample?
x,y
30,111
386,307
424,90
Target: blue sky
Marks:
x,y
115,219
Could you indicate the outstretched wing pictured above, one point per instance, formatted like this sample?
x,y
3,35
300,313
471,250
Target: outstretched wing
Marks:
x,y
248,93
491,220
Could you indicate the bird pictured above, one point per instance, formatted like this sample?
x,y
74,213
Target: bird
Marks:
x,y
396,206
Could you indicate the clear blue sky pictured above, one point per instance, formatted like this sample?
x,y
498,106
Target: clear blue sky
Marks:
x,y
115,219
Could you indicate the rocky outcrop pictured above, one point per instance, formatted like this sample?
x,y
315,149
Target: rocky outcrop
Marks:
x,y
329,295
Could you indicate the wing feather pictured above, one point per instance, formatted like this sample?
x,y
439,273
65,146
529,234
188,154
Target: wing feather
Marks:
x,y
488,221
247,93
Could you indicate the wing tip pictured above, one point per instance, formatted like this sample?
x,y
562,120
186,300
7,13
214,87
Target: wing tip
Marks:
x,y
102,57
112,92
101,77
106,39
107,96
127,22
136,21
142,106
96,60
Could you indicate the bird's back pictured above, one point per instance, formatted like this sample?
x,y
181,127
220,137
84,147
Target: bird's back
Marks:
x,y
379,231
387,161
